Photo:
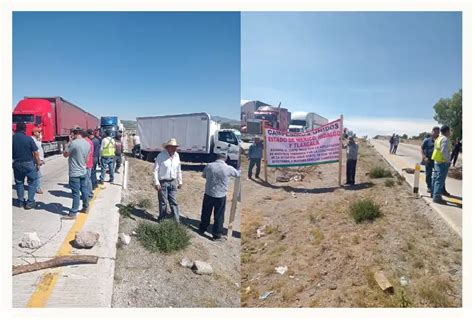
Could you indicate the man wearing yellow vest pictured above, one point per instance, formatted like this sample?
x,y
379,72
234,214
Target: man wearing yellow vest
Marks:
x,y
441,160
107,154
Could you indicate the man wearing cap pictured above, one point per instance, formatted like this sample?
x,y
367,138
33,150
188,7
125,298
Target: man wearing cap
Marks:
x,y
352,150
168,178
217,176
441,160
26,163
427,147
255,157
77,153
37,139
107,154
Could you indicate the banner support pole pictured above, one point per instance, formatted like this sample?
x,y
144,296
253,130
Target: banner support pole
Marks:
x,y
265,160
340,151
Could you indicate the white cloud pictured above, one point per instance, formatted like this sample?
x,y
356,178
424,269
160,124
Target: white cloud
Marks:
x,y
387,126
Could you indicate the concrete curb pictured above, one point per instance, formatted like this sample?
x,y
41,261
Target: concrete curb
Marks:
x,y
427,200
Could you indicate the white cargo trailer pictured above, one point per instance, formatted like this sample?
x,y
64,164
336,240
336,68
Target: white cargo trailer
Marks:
x,y
303,121
199,137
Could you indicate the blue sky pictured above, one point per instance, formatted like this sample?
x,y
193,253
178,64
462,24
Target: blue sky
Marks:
x,y
130,64
378,69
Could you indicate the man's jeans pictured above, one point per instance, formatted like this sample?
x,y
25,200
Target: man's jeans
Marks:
x,y
94,173
118,162
351,171
252,163
107,162
166,195
428,173
79,190
208,204
22,170
439,179
89,182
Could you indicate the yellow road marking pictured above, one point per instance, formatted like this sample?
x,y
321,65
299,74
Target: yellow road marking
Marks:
x,y
48,280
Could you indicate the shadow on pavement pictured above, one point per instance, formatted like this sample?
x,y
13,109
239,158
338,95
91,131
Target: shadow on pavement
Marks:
x,y
56,208
60,194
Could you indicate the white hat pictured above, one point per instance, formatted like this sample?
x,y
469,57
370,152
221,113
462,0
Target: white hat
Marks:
x,y
172,142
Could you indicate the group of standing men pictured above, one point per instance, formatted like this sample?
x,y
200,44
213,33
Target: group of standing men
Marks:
x,y
394,142
85,150
437,160
168,178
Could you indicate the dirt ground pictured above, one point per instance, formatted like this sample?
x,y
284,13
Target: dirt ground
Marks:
x,y
305,226
144,279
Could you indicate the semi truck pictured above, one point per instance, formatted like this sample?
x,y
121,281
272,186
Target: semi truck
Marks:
x,y
111,123
247,111
305,121
199,137
274,117
55,116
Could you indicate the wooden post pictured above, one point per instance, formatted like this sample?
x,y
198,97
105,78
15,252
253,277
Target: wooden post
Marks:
x,y
340,152
265,160
233,208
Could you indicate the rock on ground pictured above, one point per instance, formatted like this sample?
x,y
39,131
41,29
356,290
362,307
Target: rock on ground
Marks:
x,y
30,240
125,238
201,267
86,239
187,263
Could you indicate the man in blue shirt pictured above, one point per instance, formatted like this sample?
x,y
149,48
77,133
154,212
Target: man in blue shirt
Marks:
x,y
217,176
26,163
427,148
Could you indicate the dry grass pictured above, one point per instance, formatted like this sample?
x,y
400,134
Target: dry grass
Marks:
x,y
317,239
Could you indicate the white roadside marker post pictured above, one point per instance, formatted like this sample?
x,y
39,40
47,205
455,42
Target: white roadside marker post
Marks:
x,y
233,208
416,183
125,175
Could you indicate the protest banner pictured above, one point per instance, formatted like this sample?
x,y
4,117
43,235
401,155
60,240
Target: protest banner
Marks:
x,y
318,146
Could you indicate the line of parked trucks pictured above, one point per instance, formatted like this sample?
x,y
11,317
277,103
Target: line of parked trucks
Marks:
x,y
200,137
254,113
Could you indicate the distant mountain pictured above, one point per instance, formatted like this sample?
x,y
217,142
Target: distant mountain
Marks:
x,y
225,120
129,124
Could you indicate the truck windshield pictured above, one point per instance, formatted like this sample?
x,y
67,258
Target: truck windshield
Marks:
x,y
298,122
228,136
23,118
267,117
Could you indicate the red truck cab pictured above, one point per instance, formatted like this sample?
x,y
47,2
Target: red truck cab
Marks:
x,y
35,113
55,116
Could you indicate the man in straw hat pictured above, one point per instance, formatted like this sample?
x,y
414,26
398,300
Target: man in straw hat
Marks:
x,y
168,178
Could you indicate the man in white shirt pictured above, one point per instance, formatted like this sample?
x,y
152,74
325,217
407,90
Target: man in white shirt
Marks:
x,y
37,139
168,178
136,150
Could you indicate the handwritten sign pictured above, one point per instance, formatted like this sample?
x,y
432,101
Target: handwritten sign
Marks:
x,y
286,149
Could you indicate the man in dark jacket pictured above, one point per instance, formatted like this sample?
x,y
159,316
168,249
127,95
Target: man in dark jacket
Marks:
x,y
255,157
26,163
96,155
